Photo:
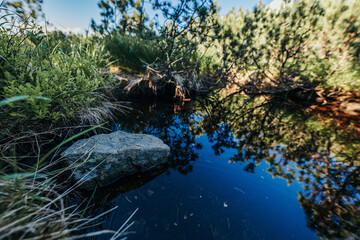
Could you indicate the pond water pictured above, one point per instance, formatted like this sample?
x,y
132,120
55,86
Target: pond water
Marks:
x,y
239,169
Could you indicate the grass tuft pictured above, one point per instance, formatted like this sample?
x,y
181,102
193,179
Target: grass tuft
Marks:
x,y
34,203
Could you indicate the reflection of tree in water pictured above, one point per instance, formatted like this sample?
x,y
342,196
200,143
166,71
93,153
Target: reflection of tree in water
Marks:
x,y
175,128
295,146
324,160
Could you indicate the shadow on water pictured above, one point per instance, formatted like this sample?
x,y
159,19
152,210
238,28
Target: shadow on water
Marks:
x,y
173,123
320,164
127,183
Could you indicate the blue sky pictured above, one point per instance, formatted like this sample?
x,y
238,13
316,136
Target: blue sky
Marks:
x,y
75,15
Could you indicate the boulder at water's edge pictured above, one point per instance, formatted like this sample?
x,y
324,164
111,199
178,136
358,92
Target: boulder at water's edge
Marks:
x,y
104,158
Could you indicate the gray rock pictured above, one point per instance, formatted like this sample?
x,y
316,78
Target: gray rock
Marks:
x,y
104,158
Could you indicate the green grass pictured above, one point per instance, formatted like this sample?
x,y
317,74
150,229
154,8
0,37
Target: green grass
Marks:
x,y
132,53
33,203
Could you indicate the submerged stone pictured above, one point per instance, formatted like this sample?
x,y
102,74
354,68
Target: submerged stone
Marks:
x,y
103,158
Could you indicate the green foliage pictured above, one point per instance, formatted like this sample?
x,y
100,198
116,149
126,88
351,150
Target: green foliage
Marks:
x,y
338,41
271,42
132,52
25,8
126,16
178,47
184,38
307,42
62,68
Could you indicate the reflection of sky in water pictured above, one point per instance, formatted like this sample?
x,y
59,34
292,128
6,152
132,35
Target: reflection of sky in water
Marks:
x,y
217,200
204,195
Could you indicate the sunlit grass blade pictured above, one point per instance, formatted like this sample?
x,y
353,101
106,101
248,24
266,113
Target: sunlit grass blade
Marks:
x,y
19,98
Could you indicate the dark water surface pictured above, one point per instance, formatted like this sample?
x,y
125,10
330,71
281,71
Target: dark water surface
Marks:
x,y
240,169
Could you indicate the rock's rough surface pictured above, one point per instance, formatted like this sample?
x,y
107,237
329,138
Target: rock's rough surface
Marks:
x,y
107,157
